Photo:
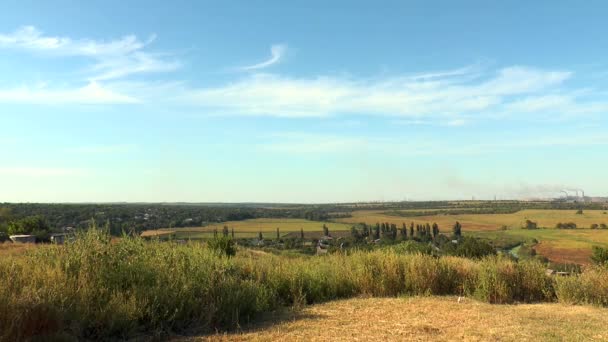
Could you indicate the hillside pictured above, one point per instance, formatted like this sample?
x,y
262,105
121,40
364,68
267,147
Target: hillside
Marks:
x,y
426,319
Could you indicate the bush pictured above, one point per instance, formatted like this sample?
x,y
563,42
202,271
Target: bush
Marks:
x,y
589,287
599,255
223,245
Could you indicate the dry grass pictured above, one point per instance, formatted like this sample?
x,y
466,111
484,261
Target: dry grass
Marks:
x,y
428,319
484,222
9,248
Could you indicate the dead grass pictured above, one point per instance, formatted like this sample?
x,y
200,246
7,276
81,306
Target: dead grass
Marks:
x,y
9,248
427,319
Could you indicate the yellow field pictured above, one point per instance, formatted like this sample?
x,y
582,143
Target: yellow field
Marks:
x,y
428,319
482,222
250,228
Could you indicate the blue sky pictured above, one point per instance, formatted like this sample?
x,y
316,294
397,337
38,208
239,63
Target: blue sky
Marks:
x,y
301,101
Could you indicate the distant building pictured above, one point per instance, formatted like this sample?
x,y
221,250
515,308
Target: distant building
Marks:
x,y
23,238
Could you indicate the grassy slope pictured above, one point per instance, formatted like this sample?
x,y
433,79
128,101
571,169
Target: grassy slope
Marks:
x,y
428,319
483,222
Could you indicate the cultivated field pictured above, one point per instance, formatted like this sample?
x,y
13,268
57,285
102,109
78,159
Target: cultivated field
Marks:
x,y
485,222
558,245
251,228
427,319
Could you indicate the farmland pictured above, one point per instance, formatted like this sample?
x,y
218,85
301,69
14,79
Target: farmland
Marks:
x,y
485,222
251,228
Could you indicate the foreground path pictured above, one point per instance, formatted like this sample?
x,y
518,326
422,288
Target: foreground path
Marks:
x,y
432,318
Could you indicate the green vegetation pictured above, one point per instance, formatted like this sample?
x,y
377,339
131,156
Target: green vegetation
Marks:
x,y
97,289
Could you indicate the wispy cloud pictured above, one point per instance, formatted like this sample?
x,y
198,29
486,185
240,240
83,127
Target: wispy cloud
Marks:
x,y
440,95
113,59
92,93
276,53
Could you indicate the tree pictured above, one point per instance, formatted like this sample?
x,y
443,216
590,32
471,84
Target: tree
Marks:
x,y
377,232
29,225
435,230
225,231
302,233
579,212
260,236
412,230
325,230
457,230
278,234
594,226
354,233
404,231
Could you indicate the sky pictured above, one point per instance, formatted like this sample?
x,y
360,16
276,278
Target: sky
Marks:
x,y
301,101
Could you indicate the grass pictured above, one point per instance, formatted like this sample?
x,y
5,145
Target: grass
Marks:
x,y
486,222
558,245
8,248
426,319
251,228
97,289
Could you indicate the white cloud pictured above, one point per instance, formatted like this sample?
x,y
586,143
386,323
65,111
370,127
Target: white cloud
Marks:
x,y
113,59
276,53
446,94
92,93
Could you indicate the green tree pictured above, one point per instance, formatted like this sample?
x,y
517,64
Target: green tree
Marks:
x,y
260,236
28,225
457,230
302,233
325,230
435,230
599,255
278,234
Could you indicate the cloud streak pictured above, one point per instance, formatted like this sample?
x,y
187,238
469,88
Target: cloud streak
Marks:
x,y
446,95
113,59
91,94
276,54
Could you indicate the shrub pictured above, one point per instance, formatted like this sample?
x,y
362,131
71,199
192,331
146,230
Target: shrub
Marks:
x,y
599,255
588,287
530,225
223,245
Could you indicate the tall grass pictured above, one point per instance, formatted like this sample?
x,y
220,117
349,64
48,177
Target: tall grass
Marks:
x,y
97,289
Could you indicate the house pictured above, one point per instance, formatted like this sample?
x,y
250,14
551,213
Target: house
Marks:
x,y
58,238
23,238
